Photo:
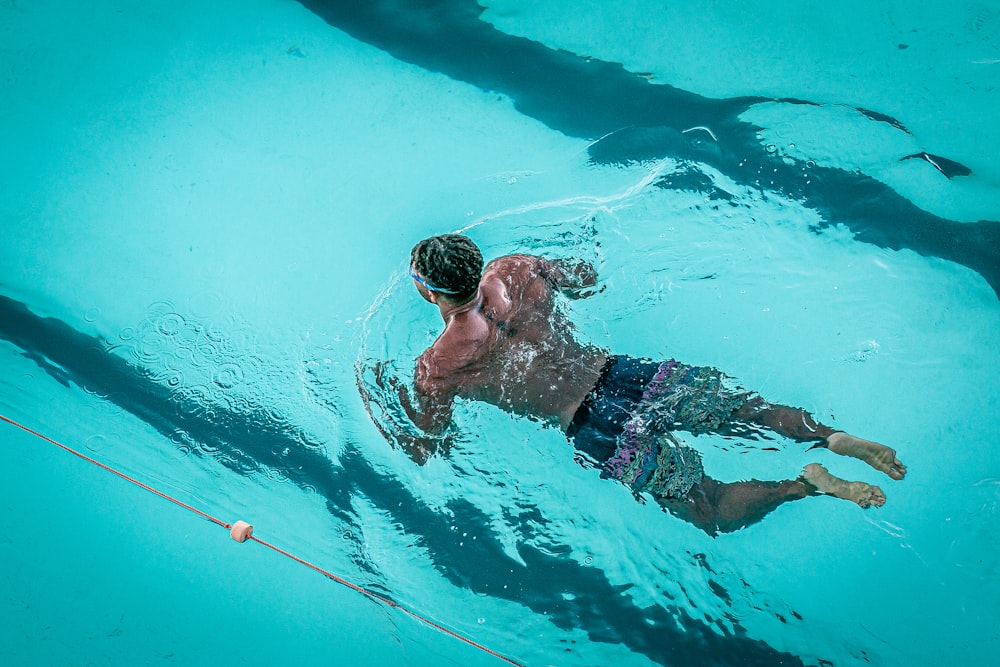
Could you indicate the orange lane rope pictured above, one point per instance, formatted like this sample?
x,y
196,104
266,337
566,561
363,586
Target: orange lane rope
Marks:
x,y
242,531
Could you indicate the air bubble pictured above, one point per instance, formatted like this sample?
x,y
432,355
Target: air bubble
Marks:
x,y
95,443
92,314
228,376
771,148
170,324
171,377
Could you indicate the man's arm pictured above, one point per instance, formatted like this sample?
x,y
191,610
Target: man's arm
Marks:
x,y
428,416
575,278
431,413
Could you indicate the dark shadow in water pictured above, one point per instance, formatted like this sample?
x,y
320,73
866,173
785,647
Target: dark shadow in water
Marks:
x,y
638,120
570,594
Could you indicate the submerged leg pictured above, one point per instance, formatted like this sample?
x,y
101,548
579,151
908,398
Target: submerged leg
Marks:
x,y
721,507
799,425
790,422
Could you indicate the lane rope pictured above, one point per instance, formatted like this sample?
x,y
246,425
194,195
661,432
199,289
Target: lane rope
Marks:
x,y
241,531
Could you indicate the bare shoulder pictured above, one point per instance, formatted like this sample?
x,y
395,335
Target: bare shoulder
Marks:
x,y
459,346
516,269
557,271
514,264
434,372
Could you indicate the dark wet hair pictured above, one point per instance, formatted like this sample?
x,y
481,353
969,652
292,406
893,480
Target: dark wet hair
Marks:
x,y
451,262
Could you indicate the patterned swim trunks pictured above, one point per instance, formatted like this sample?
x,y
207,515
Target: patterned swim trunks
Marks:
x,y
627,421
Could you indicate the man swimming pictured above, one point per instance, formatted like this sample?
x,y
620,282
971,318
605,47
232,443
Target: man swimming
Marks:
x,y
505,342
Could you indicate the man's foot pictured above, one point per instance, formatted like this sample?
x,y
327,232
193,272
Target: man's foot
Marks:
x,y
877,456
863,494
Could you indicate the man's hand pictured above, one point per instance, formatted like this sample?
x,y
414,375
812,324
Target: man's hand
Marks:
x,y
577,279
413,440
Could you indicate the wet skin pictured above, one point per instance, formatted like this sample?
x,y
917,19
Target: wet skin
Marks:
x,y
509,345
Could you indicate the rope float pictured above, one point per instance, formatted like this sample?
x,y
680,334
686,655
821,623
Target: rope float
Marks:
x,y
241,531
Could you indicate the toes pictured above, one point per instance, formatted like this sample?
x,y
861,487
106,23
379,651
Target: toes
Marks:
x,y
890,465
866,495
877,497
874,498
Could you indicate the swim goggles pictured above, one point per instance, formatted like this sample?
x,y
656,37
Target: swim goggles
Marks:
x,y
413,274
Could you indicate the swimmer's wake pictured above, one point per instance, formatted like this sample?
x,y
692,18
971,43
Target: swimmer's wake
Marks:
x,y
636,120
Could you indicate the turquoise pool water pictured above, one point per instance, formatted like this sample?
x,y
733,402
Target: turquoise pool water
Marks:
x,y
207,214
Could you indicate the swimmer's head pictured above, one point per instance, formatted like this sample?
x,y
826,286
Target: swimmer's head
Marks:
x,y
449,264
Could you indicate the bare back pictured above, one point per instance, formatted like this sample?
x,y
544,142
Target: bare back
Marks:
x,y
510,346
